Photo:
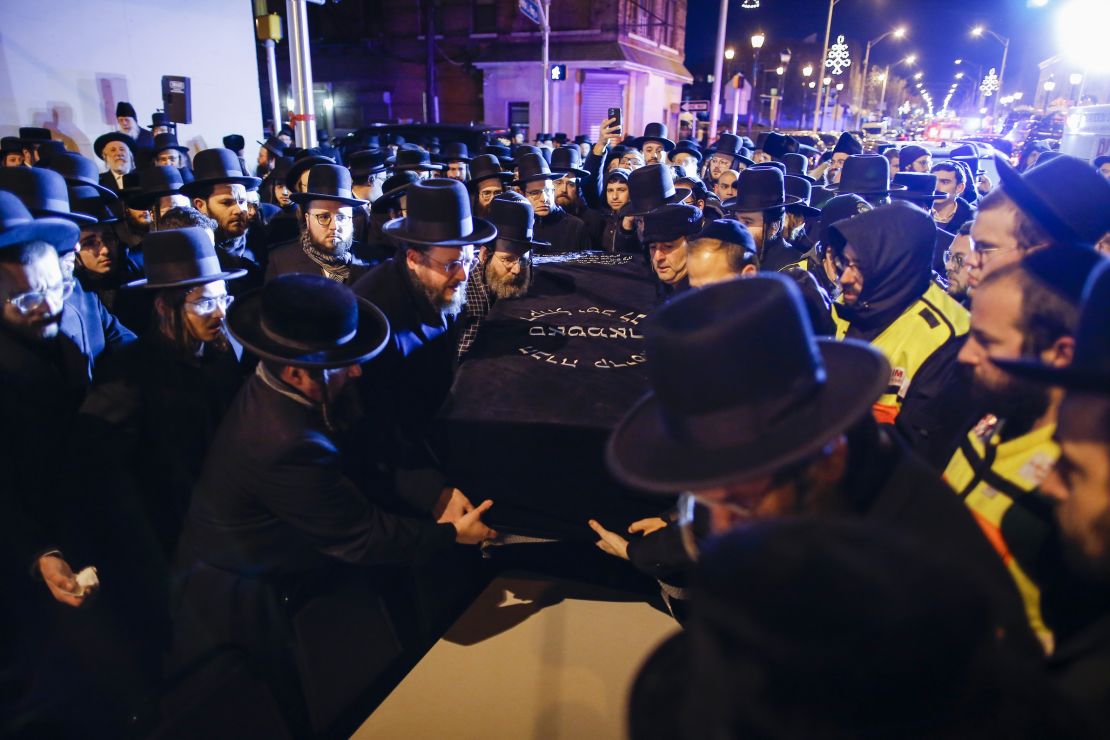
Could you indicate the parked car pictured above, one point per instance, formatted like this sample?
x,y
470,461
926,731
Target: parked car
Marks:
x,y
474,135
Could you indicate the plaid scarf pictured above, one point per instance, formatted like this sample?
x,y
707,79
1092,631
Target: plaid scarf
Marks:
x,y
478,302
335,266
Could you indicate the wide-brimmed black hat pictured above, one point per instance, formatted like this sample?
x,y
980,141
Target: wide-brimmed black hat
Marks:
x,y
567,159
655,132
866,174
651,187
234,142
32,135
1065,197
413,159
777,145
167,141
18,226
366,162
503,153
487,167
454,151
670,222
687,146
90,201
105,139
920,187
760,189
78,170
308,321
42,191
274,146
531,167
797,165
12,145
728,145
155,181
582,139
305,160
800,188
1089,371
848,144
217,166
740,388
177,258
328,182
514,218
438,215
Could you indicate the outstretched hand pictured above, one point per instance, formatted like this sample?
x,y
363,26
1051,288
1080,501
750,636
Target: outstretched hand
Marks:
x,y
469,529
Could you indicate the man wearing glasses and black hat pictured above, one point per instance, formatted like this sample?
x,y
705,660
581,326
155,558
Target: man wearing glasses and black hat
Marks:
x,y
564,232
326,242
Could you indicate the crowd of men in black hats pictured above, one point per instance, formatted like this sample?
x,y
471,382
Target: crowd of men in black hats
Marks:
x,y
879,423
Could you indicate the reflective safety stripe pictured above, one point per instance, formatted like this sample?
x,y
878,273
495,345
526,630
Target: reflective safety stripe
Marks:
x,y
992,477
802,264
910,340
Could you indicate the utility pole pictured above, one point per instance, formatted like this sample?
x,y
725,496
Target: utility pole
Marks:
x,y
431,94
267,28
821,65
715,101
300,69
546,66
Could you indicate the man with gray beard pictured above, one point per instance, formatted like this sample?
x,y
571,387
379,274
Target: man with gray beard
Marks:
x,y
504,268
421,290
325,244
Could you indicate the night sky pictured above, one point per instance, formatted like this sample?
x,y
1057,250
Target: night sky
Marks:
x,y
938,32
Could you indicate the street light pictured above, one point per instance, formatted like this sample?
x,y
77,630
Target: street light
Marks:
x,y
959,75
919,75
807,70
757,43
780,70
978,32
730,53
898,33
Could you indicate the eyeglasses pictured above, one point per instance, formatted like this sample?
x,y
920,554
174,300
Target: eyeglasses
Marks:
x,y
958,259
324,217
33,300
841,265
537,194
207,306
450,268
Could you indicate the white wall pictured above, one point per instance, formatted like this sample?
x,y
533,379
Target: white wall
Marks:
x,y
65,63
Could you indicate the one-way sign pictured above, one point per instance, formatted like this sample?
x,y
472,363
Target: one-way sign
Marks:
x,y
531,8
692,106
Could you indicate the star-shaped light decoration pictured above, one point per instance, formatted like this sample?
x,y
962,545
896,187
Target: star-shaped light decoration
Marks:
x,y
990,84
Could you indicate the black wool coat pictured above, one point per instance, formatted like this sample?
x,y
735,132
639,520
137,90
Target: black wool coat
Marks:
x,y
289,258
564,232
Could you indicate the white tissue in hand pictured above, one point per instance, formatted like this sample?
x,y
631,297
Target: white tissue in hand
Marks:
x,y
86,580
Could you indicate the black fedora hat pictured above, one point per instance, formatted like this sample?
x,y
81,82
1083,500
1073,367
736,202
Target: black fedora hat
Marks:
x,y
503,153
866,174
366,162
1089,371
486,167
655,132
797,165
18,226
393,188
155,181
234,142
167,141
455,151
438,214
308,321
90,201
688,146
651,187
177,258
848,144
42,191
78,170
514,218
10,145
217,166
413,159
328,182
274,146
920,187
777,145
30,135
305,160
727,145
760,189
531,167
800,188
670,222
105,139
700,426
1065,197
567,159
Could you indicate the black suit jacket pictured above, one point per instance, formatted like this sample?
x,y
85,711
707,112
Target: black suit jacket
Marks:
x,y
108,180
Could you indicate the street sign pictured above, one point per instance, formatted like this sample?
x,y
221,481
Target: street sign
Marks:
x,y
558,72
694,106
531,8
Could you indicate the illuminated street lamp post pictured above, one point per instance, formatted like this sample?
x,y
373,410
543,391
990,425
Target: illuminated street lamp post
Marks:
x,y
807,84
977,32
898,33
757,44
1049,86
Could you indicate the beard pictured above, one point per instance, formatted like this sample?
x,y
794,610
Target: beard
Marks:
x,y
448,306
509,286
340,248
1022,401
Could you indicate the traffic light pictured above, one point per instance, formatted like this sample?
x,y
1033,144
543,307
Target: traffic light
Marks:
x,y
558,72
